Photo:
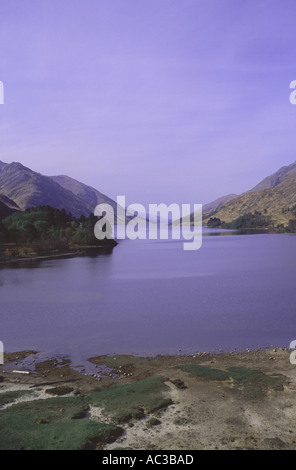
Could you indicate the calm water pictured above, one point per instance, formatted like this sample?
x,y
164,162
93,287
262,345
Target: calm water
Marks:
x,y
151,297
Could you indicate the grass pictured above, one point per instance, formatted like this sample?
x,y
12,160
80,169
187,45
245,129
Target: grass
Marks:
x,y
52,424
252,383
10,397
61,423
132,401
60,391
153,422
206,372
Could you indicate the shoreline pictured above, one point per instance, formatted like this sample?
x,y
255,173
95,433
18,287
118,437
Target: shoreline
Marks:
x,y
207,401
83,251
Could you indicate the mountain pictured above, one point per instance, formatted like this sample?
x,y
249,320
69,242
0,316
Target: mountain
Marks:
x,y
5,211
91,196
214,205
210,207
275,179
273,196
88,194
7,207
274,202
28,189
9,202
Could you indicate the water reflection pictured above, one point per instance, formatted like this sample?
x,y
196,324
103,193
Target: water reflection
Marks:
x,y
225,232
33,263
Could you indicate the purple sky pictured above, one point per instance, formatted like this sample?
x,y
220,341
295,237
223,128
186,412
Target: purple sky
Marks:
x,y
159,100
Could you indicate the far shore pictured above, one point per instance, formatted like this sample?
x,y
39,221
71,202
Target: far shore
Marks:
x,y
81,251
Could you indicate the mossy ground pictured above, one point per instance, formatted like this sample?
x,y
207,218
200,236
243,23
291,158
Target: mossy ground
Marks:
x,y
254,383
9,397
220,401
250,382
52,424
62,423
59,391
132,401
206,372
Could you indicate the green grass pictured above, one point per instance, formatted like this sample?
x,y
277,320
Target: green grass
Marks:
x,y
61,423
59,390
254,384
52,424
132,401
153,422
10,397
206,372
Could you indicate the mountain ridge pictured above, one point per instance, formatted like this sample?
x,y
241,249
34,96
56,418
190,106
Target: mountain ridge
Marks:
x,y
274,202
273,196
276,178
27,188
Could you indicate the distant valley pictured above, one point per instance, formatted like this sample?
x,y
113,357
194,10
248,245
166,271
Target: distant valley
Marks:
x,y
270,204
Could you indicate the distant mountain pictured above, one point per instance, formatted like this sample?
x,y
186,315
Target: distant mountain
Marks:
x,y
28,189
91,196
275,179
88,194
273,196
274,202
210,207
214,205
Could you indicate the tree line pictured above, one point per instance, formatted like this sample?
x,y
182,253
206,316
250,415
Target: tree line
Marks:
x,y
47,228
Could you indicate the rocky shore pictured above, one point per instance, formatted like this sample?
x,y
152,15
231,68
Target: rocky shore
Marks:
x,y
241,400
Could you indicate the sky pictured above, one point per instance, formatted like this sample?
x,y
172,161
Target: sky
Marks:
x,y
163,101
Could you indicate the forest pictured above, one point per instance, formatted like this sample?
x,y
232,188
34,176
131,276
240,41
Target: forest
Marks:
x,y
44,229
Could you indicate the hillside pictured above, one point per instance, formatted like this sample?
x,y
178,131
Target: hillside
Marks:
x,y
275,179
273,197
210,207
9,202
7,207
214,205
88,194
30,189
5,211
273,202
91,196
